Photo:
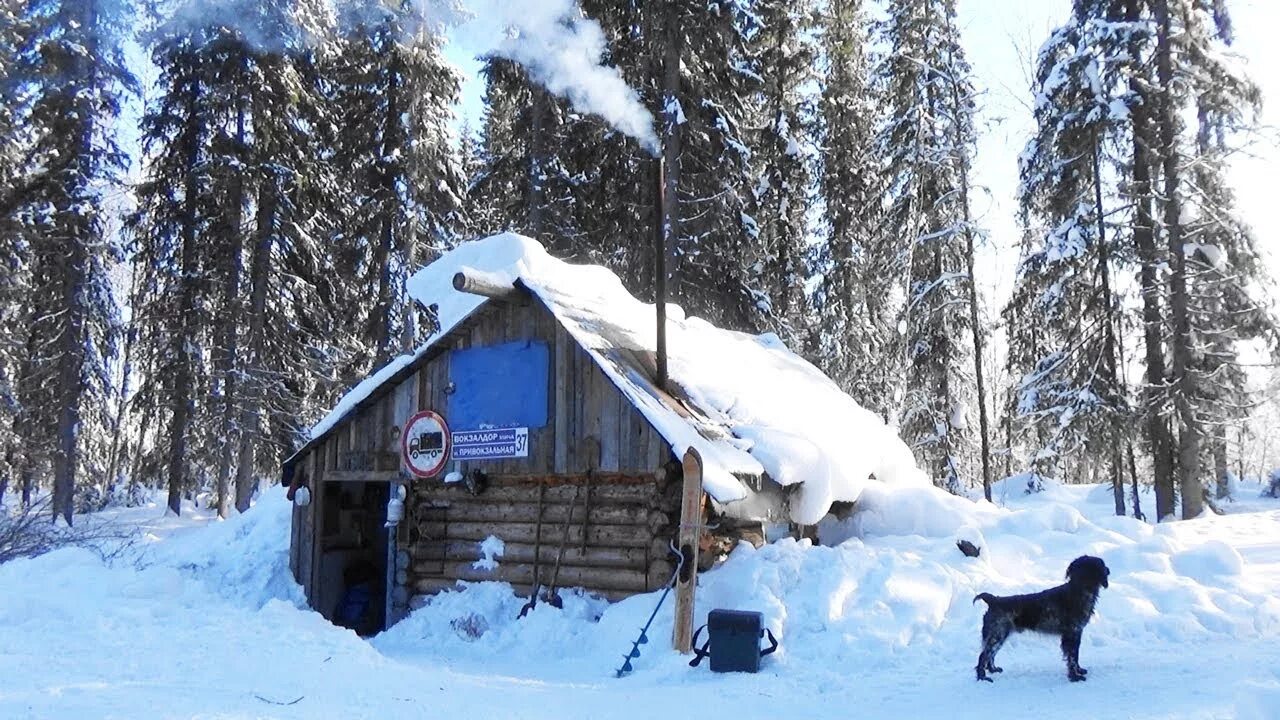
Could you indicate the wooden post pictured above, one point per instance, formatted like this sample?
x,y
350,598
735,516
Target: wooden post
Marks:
x,y
323,455
389,587
690,528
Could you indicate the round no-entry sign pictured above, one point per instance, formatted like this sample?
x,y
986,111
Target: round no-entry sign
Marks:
x,y
424,444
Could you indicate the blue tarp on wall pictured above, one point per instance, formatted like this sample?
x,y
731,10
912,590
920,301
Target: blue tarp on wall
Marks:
x,y
499,386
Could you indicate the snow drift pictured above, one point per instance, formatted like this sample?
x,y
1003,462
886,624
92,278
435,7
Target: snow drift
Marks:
x,y
206,622
898,584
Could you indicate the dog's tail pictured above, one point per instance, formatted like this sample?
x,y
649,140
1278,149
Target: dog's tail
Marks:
x,y
984,597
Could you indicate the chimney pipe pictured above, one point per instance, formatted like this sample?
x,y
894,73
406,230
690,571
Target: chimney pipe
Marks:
x,y
660,264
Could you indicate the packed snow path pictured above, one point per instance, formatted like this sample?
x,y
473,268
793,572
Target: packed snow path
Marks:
x,y
205,624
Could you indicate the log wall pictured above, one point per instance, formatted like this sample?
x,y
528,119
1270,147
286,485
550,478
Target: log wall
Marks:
x,y
610,533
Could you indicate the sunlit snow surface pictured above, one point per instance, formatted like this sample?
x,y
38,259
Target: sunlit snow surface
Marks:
x,y
202,620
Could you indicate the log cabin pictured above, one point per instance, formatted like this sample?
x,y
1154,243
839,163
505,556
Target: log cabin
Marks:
x,y
531,439
590,499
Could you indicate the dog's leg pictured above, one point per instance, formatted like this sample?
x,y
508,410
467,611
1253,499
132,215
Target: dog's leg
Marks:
x,y
991,658
1071,652
1002,631
983,661
994,633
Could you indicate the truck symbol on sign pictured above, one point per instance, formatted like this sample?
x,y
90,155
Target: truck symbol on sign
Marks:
x,y
427,442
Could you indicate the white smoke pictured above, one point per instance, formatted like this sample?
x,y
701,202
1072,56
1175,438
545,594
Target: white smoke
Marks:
x,y
558,46
553,40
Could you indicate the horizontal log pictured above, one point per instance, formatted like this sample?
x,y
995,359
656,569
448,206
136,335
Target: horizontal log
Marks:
x,y
593,556
570,576
602,535
430,586
363,476
490,285
604,494
503,512
434,548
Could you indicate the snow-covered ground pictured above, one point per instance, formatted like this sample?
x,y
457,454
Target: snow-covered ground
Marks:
x,y
201,619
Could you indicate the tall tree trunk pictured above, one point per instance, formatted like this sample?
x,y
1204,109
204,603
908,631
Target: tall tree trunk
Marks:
x,y
384,340
1183,380
119,419
229,332
946,443
983,423
26,475
146,424
1152,315
1132,462
8,472
408,318
77,238
28,442
976,327
1220,468
1109,364
783,265
183,351
1240,451
1008,440
66,456
254,396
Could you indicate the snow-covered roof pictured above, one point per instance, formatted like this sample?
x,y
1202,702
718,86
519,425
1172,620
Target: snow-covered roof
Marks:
x,y
745,402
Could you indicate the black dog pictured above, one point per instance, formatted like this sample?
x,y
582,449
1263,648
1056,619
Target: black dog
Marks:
x,y
1062,611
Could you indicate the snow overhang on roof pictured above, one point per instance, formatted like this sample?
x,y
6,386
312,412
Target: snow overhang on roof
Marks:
x,y
747,404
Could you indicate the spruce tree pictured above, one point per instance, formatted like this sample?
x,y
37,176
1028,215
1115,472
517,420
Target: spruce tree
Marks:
x,y
392,96
172,219
527,184
187,248
856,327
1071,384
924,147
1221,259
784,53
263,335
74,69
286,257
14,240
714,241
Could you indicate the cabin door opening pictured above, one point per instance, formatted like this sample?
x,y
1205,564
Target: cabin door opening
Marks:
x,y
352,586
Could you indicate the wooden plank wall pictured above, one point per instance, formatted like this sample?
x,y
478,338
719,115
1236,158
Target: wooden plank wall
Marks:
x,y
584,402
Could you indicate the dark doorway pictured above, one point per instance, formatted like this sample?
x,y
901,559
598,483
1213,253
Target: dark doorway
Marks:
x,y
353,556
